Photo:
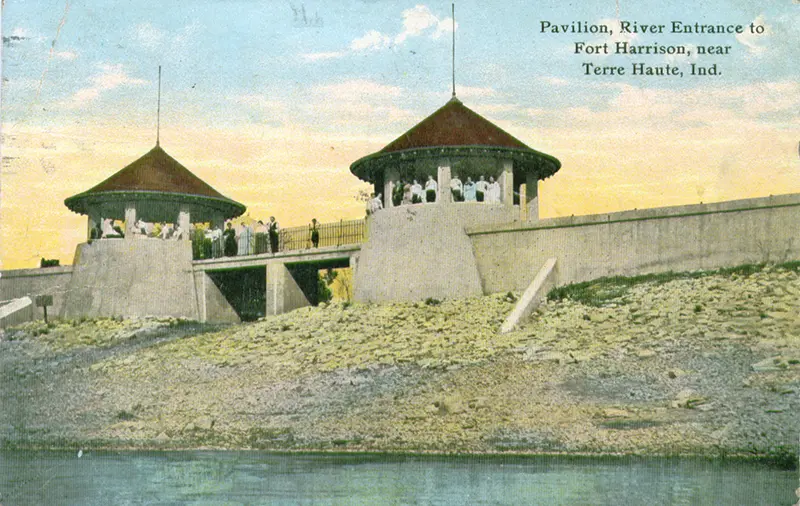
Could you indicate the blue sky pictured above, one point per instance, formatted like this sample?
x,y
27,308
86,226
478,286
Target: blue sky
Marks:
x,y
268,105
214,51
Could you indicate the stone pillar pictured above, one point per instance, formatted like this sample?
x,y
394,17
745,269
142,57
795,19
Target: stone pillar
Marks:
x,y
130,220
532,196
92,222
184,221
443,180
390,176
283,293
507,182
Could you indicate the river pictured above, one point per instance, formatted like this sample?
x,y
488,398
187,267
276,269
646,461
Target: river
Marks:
x,y
220,477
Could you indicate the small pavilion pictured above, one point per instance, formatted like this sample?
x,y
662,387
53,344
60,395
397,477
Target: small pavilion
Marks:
x,y
154,188
452,141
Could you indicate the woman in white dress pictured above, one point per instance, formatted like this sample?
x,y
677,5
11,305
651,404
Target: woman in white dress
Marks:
x,y
493,191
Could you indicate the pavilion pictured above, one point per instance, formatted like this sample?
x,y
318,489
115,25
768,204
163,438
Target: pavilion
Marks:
x,y
154,188
133,278
420,251
455,140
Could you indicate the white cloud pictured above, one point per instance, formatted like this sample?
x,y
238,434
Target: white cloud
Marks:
x,y
418,21
322,56
751,40
149,36
188,32
371,41
109,78
152,38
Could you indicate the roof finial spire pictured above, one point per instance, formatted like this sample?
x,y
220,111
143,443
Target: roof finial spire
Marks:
x,y
453,10
158,111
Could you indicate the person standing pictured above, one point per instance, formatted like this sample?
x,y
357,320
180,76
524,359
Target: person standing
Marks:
x,y
431,189
407,196
375,204
457,189
274,240
244,239
480,189
417,197
229,237
397,193
262,242
314,233
493,191
469,190
215,236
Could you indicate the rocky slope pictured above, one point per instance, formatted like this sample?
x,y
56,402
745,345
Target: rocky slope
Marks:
x,y
678,365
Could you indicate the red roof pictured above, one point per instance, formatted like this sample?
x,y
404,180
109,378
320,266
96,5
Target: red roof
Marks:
x,y
156,171
454,124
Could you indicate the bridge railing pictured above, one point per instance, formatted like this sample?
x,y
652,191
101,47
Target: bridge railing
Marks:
x,y
330,234
337,233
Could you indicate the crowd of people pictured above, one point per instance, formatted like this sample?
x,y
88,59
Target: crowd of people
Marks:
x,y
406,193
109,229
231,240
478,191
245,239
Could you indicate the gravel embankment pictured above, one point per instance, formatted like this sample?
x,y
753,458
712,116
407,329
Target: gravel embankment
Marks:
x,y
709,365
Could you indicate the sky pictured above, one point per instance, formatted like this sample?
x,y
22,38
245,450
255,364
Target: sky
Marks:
x,y
270,102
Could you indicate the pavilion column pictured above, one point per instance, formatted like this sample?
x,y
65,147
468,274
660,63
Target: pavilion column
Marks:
x,y
92,221
185,223
130,219
532,196
507,182
390,176
443,180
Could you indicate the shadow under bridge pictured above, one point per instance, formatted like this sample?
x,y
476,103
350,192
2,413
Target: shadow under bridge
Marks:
x,y
257,285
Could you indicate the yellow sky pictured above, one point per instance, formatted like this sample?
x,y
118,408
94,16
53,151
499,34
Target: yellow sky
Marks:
x,y
652,148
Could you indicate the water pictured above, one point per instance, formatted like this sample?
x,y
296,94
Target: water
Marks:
x,y
217,478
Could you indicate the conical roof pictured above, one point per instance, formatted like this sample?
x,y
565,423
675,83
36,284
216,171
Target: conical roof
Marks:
x,y
455,130
454,124
162,185
157,171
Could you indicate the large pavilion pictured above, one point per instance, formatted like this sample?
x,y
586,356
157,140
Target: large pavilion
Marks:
x,y
455,140
420,251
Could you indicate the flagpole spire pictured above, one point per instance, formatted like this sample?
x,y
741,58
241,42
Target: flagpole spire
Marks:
x,y
453,11
158,111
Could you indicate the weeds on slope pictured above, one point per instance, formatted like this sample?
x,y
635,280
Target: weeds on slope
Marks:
x,y
601,291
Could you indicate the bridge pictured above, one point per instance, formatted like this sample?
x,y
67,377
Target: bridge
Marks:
x,y
267,283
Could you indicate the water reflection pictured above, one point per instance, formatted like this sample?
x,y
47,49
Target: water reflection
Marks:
x,y
101,478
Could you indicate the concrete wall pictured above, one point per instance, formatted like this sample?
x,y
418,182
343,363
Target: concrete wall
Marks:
x,y
32,282
145,277
681,238
420,251
212,305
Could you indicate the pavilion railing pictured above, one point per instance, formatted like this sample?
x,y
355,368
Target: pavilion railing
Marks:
x,y
338,233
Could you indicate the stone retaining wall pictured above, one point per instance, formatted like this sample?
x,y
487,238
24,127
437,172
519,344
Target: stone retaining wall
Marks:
x,y
680,238
32,282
